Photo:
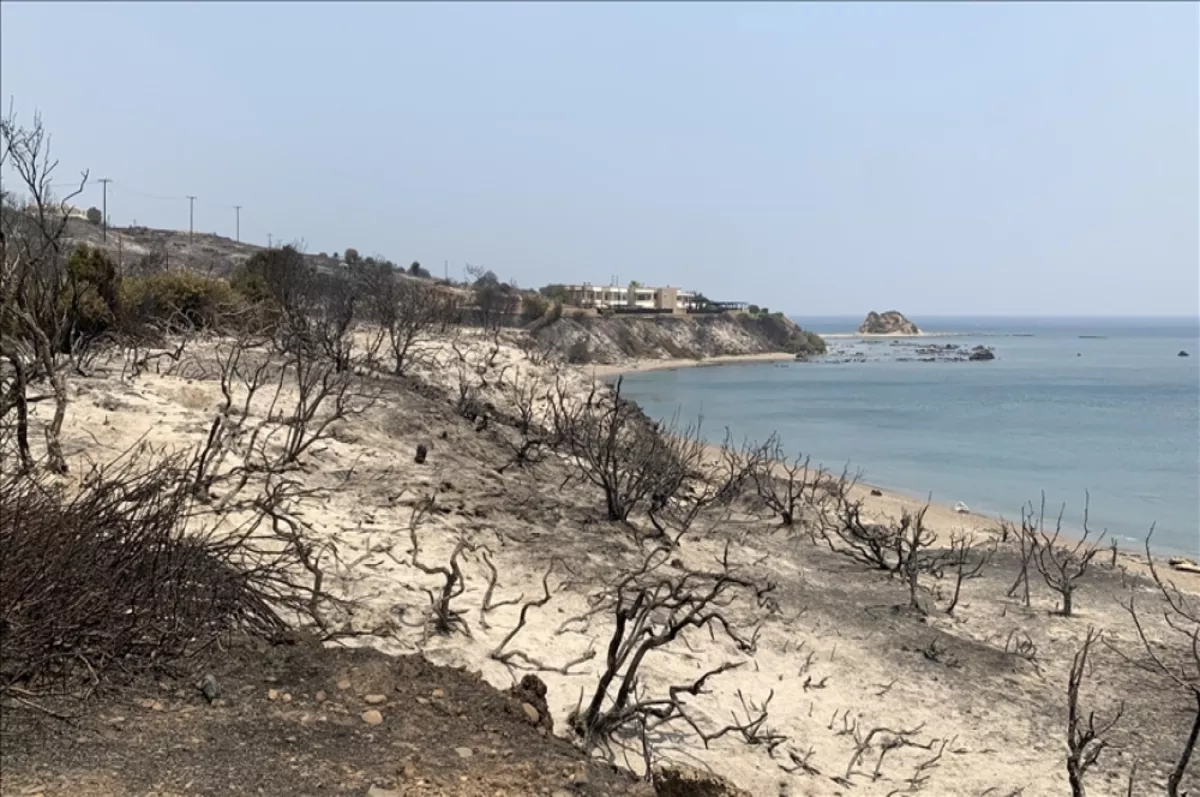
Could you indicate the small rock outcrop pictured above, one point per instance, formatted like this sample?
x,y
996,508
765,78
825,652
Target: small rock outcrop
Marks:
x,y
531,694
981,353
889,323
1183,353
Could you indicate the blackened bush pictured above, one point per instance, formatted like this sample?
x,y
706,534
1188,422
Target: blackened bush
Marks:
x,y
110,577
579,352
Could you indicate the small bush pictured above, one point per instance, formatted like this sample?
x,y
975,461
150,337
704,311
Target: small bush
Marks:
x,y
176,295
579,353
94,215
92,299
533,308
250,286
108,578
546,320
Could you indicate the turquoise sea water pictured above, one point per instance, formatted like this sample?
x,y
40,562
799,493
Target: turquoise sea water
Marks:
x,y
1069,406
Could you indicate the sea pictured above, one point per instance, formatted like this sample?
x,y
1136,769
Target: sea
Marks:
x,y
1101,412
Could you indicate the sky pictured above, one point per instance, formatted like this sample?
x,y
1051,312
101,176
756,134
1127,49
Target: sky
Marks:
x,y
821,159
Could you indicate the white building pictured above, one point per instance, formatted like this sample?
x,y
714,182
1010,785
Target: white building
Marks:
x,y
637,296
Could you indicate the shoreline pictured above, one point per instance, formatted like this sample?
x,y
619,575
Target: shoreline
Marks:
x,y
888,505
607,372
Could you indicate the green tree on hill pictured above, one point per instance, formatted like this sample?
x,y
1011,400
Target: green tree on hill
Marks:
x,y
93,295
94,215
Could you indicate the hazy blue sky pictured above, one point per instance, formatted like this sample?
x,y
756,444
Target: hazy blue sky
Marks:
x,y
821,159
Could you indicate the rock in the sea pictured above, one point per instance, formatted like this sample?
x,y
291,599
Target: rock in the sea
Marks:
x,y
981,353
889,323
1183,353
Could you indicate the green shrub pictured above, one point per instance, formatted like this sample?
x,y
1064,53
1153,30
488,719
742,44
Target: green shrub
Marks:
x,y
250,286
533,308
171,296
92,296
548,318
280,274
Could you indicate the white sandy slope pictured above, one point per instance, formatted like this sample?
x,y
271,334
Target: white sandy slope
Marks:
x,y
996,743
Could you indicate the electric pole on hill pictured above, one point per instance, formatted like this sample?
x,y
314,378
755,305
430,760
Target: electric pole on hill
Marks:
x,y
191,207
238,235
104,181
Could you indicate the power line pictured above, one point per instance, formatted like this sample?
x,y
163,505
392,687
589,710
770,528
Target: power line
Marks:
x,y
145,195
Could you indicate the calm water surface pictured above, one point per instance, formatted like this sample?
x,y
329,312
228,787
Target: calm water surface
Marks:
x,y
1068,406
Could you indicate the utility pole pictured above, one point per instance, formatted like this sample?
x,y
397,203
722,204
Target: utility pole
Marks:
x,y
238,208
191,207
446,269
268,240
104,181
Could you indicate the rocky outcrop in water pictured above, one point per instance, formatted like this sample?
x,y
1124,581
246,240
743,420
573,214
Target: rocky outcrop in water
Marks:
x,y
890,323
905,351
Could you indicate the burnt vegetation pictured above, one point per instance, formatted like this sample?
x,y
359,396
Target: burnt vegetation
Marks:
x,y
149,561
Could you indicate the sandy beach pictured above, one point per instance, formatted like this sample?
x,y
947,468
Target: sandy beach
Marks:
x,y
609,372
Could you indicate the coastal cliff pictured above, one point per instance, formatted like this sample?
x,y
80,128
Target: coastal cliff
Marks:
x,y
610,340
890,323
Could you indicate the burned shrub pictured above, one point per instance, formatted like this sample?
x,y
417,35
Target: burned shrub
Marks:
x,y
109,576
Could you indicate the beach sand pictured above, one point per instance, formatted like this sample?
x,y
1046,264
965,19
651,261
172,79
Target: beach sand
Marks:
x,y
606,372
837,656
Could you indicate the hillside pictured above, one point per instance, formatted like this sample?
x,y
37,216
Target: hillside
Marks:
x,y
608,340
612,340
129,246
969,696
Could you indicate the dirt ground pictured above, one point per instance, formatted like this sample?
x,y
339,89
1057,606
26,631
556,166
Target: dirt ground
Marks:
x,y
290,721
838,654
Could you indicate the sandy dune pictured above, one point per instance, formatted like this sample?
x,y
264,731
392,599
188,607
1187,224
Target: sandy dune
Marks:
x,y
836,658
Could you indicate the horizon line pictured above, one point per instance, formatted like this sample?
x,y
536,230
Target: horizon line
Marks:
x,y
1014,315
